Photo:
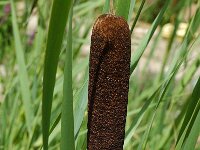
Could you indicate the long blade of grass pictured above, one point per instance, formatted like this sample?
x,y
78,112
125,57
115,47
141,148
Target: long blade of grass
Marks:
x,y
59,15
194,25
152,50
178,60
80,105
181,143
130,132
185,80
67,117
138,53
193,134
137,16
190,110
3,118
167,52
12,120
175,65
22,71
163,89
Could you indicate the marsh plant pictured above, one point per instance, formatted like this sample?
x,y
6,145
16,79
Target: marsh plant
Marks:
x,y
44,73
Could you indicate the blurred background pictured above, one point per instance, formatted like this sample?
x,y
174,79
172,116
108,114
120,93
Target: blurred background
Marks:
x,y
165,60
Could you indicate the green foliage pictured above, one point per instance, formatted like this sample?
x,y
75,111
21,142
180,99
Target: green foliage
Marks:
x,y
122,8
55,35
23,75
67,118
44,76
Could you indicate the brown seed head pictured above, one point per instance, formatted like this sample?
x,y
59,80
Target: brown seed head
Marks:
x,y
109,74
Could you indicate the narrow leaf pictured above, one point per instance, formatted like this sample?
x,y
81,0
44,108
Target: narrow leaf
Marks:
x,y
59,15
67,117
23,75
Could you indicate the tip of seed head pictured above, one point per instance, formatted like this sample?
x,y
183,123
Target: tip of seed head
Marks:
x,y
109,25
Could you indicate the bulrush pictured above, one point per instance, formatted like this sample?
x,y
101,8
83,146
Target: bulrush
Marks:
x,y
109,74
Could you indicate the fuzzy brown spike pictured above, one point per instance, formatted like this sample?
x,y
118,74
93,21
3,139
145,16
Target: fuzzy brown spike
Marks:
x,y
109,74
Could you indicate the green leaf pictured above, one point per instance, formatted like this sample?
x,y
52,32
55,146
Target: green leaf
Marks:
x,y
80,105
67,117
106,7
58,19
137,16
163,91
132,4
23,75
122,8
138,53
193,134
188,122
130,132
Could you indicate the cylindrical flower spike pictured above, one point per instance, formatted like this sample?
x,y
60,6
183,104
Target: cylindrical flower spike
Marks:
x,y
109,72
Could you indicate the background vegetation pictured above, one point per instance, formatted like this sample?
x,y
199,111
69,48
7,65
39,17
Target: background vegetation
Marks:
x,y
164,95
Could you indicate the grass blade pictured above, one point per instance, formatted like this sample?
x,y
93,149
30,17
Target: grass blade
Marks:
x,y
137,16
190,110
23,75
67,117
80,105
138,53
132,4
139,116
193,134
163,89
54,41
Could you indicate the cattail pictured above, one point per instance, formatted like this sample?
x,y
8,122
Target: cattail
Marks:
x,y
109,74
